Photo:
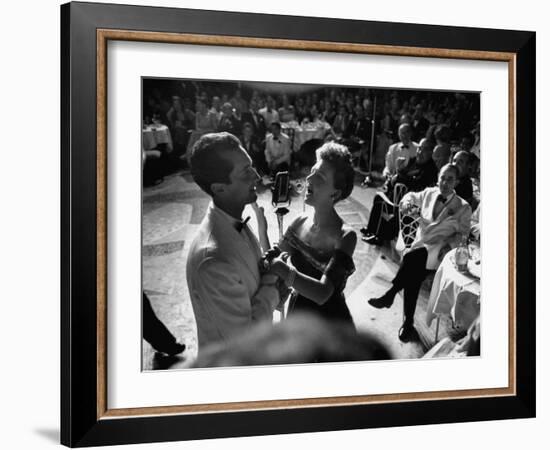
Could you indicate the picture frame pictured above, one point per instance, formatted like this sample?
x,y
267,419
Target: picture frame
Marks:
x,y
85,30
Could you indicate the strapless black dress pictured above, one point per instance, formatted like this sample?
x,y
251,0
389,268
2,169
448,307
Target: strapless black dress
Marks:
x,y
336,265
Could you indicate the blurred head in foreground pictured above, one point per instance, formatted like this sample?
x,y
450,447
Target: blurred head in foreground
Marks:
x,y
300,339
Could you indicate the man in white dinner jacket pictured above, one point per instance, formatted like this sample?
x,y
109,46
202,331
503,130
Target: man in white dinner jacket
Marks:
x,y
400,153
227,291
444,219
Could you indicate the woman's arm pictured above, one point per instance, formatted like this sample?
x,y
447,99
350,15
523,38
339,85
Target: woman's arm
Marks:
x,y
318,291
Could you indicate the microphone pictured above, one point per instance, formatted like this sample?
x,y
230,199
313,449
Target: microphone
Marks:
x,y
281,189
280,198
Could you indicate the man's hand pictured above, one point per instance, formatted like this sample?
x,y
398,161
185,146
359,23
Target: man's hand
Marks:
x,y
408,208
260,217
279,264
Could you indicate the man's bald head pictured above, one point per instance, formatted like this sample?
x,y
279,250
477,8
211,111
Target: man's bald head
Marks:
x,y
405,133
424,151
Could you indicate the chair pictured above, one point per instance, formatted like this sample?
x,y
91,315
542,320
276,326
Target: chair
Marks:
x,y
408,226
390,208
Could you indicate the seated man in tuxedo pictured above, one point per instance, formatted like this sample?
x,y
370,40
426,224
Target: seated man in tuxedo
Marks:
x,y
278,153
444,219
227,290
419,174
403,151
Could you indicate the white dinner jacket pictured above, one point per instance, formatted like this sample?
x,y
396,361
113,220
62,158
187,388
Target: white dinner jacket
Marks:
x,y
396,151
447,228
224,280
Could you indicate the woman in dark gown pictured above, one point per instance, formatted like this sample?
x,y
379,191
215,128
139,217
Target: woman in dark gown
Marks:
x,y
320,245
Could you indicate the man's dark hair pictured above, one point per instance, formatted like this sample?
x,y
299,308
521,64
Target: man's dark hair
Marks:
x,y
443,133
463,152
208,159
453,167
339,157
276,124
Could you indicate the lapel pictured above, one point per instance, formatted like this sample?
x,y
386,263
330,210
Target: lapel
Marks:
x,y
442,213
235,245
430,204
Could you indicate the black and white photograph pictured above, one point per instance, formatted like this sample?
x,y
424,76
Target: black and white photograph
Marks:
x,y
292,223
242,225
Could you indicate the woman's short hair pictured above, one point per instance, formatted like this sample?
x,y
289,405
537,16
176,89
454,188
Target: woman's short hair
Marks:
x,y
208,162
339,157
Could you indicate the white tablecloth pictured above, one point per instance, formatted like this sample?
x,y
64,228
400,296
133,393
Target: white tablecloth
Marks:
x,y
306,133
152,135
454,293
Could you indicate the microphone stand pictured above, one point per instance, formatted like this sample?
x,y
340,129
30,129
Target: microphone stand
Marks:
x,y
368,181
281,209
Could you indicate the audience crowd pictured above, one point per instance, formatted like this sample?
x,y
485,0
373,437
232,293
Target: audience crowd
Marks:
x,y
271,120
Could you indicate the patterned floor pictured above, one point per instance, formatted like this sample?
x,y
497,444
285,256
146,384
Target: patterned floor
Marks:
x,y
172,212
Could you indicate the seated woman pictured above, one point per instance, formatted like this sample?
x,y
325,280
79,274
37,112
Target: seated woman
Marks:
x,y
320,245
180,120
286,112
254,148
205,122
442,151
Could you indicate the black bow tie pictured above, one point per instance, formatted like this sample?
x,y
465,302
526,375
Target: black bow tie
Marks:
x,y
441,199
404,145
240,225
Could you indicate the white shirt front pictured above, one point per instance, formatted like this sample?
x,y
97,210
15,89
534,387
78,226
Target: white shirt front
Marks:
x,y
277,150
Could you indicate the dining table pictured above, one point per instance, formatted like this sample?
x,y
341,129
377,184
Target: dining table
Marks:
x,y
456,293
305,132
154,134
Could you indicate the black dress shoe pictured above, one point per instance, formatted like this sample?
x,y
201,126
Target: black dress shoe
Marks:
x,y
372,240
170,349
382,302
408,333
365,232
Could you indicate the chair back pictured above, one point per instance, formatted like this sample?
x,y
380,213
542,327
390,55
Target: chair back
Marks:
x,y
408,226
399,190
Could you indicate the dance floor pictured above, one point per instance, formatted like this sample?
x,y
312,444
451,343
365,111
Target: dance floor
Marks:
x,y
172,212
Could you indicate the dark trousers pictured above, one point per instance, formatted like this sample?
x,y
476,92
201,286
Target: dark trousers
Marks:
x,y
377,225
410,276
154,331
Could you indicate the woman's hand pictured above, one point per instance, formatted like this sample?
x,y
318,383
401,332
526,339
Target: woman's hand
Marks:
x,y
279,265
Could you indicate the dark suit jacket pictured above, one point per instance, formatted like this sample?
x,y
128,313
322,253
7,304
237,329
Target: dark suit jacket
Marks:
x,y
359,128
257,121
465,189
418,176
420,128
